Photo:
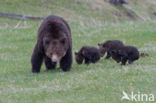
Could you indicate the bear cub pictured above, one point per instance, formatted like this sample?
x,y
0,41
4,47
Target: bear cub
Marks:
x,y
125,53
108,47
88,54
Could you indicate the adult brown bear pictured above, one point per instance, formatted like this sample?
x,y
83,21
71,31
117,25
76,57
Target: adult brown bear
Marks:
x,y
54,44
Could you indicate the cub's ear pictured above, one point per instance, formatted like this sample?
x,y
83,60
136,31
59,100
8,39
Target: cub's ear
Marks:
x,y
76,52
99,44
104,46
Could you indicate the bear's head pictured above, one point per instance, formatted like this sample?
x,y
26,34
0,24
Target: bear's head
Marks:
x,y
102,48
55,41
79,57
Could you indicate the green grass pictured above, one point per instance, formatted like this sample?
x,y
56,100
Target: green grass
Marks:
x,y
102,82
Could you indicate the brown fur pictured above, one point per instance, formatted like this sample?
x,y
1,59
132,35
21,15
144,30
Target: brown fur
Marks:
x,y
54,44
88,54
125,53
108,47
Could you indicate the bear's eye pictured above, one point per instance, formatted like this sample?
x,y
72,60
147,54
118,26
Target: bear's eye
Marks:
x,y
63,41
47,42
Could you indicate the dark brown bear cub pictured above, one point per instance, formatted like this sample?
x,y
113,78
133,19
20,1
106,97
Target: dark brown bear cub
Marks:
x,y
108,47
126,53
88,54
54,44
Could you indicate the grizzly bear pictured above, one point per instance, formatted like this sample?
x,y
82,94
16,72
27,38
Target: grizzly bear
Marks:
x,y
108,47
125,53
54,44
88,54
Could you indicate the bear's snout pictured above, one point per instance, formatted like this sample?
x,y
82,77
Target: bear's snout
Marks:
x,y
55,58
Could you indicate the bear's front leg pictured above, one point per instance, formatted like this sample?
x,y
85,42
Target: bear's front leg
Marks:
x,y
87,61
108,55
66,61
124,60
36,60
130,61
49,64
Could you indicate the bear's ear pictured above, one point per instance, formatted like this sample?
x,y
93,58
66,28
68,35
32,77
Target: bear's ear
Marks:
x,y
99,44
76,52
104,45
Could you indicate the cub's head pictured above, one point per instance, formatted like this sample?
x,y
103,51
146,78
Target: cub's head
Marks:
x,y
102,48
79,58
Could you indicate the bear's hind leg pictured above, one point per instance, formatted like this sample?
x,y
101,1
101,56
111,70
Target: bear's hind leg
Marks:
x,y
124,60
130,61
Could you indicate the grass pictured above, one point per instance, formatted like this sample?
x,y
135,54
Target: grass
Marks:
x,y
102,82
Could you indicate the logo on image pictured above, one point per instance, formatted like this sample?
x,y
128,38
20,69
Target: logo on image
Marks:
x,y
138,97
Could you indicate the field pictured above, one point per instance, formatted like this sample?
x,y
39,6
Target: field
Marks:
x,y
102,82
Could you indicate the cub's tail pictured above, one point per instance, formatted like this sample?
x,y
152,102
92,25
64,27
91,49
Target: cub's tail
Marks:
x,y
143,54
